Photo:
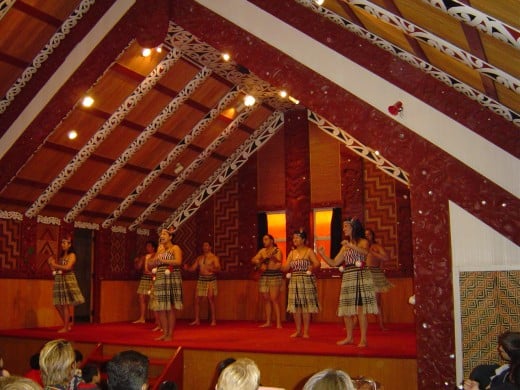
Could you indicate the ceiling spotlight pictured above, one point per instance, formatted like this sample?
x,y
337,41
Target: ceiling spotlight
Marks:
x,y
226,57
87,101
294,100
146,52
73,134
283,94
249,100
158,49
319,2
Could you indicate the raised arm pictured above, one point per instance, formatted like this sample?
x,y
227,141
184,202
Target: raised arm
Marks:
x,y
338,259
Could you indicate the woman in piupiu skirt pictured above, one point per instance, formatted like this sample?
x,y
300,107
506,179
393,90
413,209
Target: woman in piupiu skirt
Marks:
x,y
357,294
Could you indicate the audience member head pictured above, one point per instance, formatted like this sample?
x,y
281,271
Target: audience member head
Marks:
x,y
34,361
243,374
57,363
90,373
18,383
329,379
128,370
509,349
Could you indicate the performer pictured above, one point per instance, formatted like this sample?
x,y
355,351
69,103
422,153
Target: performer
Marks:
x,y
269,261
208,265
145,284
357,294
66,293
303,294
168,283
376,258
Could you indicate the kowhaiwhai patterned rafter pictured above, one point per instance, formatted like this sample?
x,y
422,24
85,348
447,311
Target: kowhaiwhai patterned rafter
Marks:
x,y
254,142
139,142
195,164
358,148
176,151
45,53
416,62
206,55
481,21
115,119
438,43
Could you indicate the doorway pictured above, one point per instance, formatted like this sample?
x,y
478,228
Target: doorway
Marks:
x,y
83,245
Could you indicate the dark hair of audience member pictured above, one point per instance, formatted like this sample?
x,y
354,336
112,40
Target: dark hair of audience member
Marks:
x,y
89,371
510,342
219,368
128,370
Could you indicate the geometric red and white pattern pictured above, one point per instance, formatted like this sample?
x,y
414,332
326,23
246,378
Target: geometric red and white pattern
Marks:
x,y
381,210
10,243
490,305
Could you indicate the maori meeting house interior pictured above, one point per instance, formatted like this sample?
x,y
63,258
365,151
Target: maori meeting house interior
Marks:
x,y
224,120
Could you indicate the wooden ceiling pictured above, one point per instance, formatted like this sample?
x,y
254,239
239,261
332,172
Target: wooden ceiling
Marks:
x,y
163,127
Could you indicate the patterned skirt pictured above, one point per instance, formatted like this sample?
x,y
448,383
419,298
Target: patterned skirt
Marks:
x,y
303,294
168,289
66,290
204,283
145,284
270,279
357,289
381,283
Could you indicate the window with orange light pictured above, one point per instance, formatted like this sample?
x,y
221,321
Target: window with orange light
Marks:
x,y
276,228
322,220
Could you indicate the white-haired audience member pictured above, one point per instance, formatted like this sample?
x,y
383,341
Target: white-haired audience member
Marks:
x,y
329,379
243,374
57,364
18,383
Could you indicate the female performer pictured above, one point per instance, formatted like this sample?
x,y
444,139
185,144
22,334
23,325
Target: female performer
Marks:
x,y
376,258
269,261
145,284
303,294
66,293
168,283
357,294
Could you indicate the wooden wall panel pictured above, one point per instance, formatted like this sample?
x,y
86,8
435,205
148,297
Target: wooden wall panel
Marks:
x,y
271,174
33,307
325,169
27,303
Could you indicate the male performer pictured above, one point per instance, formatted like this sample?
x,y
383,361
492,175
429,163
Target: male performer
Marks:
x,y
208,264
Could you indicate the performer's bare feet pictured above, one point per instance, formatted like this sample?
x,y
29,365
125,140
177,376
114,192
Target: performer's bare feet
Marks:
x,y
168,338
296,334
160,338
265,325
63,330
362,344
139,321
213,323
279,326
156,328
196,322
345,342
306,336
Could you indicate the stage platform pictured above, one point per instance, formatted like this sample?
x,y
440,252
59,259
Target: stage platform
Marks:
x,y
389,358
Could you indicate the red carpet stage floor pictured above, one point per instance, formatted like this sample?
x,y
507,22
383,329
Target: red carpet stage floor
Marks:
x,y
397,342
